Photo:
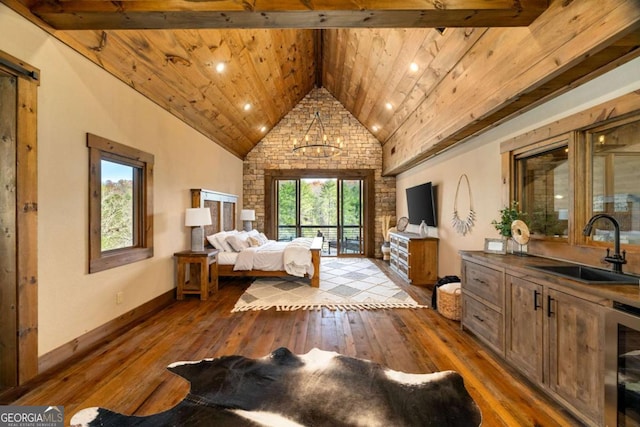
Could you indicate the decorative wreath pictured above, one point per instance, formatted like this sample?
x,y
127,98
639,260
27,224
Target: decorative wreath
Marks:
x,y
463,226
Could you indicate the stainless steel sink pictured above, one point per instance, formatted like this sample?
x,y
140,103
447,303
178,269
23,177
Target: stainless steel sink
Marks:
x,y
588,275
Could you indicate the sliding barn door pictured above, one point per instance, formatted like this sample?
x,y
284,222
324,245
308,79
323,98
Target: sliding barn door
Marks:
x,y
8,274
18,222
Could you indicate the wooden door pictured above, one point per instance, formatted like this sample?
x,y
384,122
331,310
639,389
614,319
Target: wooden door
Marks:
x,y
576,356
524,319
18,220
8,243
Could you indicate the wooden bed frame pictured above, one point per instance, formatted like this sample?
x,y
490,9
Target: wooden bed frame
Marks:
x,y
316,246
223,216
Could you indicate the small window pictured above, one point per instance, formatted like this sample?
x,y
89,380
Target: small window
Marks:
x,y
120,204
543,188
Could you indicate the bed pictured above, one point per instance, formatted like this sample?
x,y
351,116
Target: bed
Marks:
x,y
223,209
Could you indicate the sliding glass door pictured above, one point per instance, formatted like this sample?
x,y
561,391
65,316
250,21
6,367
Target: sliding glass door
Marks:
x,y
351,230
327,207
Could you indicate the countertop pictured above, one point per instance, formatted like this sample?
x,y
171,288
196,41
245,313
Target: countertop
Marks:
x,y
519,265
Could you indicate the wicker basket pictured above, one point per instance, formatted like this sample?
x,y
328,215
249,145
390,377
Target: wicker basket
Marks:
x,y
449,304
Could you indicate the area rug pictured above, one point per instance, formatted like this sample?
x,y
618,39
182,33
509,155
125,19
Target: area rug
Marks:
x,y
319,388
345,284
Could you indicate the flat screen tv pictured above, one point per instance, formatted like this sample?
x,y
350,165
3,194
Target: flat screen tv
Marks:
x,y
421,201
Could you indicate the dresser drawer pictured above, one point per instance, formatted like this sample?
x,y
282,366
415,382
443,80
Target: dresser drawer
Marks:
x,y
483,321
403,256
402,269
484,282
403,244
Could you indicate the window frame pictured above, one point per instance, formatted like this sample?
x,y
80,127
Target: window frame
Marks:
x,y
517,190
271,176
104,149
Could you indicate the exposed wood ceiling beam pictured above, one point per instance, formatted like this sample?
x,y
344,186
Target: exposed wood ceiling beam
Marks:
x,y
185,14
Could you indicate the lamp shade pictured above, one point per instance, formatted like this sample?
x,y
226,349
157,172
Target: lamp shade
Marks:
x,y
196,217
247,215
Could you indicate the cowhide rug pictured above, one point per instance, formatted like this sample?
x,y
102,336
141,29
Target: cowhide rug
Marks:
x,y
319,388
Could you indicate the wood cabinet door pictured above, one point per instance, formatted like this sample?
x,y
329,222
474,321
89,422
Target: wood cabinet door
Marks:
x,y
423,261
524,327
576,357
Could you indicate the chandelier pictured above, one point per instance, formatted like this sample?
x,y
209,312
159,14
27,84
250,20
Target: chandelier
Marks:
x,y
315,142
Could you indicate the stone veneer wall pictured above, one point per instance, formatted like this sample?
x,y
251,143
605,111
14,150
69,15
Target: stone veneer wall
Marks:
x,y
361,151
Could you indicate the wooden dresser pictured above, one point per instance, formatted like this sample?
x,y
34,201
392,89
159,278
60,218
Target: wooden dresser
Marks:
x,y
414,258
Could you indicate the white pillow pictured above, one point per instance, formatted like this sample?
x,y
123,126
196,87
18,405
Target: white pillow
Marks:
x,y
253,233
263,238
236,242
220,240
214,242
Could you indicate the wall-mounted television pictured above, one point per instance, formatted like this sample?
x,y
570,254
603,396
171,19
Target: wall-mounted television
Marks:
x,y
421,201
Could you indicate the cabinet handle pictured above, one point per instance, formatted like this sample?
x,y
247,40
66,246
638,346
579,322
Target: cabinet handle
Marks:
x,y
549,301
482,282
536,305
478,317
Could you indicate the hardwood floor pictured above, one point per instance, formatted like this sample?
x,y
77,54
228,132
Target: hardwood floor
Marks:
x,y
128,373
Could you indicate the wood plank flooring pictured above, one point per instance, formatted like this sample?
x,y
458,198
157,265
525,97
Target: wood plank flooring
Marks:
x,y
127,374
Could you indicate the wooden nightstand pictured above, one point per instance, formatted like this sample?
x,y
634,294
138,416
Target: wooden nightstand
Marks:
x,y
203,273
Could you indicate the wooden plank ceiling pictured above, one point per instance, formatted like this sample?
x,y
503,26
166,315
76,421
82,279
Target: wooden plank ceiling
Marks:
x,y
170,50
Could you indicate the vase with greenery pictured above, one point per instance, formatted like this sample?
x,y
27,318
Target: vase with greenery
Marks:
x,y
507,216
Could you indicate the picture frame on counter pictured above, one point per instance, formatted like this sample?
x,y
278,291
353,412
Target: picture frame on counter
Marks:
x,y
495,246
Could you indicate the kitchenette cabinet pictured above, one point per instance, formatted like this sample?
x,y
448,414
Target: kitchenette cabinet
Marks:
x,y
555,339
483,303
552,334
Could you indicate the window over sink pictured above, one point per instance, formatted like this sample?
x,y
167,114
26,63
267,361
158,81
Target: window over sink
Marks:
x,y
564,173
615,179
543,188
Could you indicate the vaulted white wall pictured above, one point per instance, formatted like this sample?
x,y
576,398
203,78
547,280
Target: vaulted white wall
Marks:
x,y
76,97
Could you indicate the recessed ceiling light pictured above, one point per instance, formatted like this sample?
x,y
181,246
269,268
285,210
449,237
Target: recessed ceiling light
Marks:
x,y
263,129
220,67
375,128
414,67
247,107
388,105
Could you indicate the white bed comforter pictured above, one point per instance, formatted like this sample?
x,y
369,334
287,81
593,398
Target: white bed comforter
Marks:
x,y
294,257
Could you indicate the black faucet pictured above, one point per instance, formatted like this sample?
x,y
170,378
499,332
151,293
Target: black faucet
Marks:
x,y
617,259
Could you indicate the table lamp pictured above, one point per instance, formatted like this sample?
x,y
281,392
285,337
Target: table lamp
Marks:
x,y
196,218
247,215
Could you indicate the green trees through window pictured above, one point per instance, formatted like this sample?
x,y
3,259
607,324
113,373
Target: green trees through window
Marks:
x,y
120,204
117,206
328,205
